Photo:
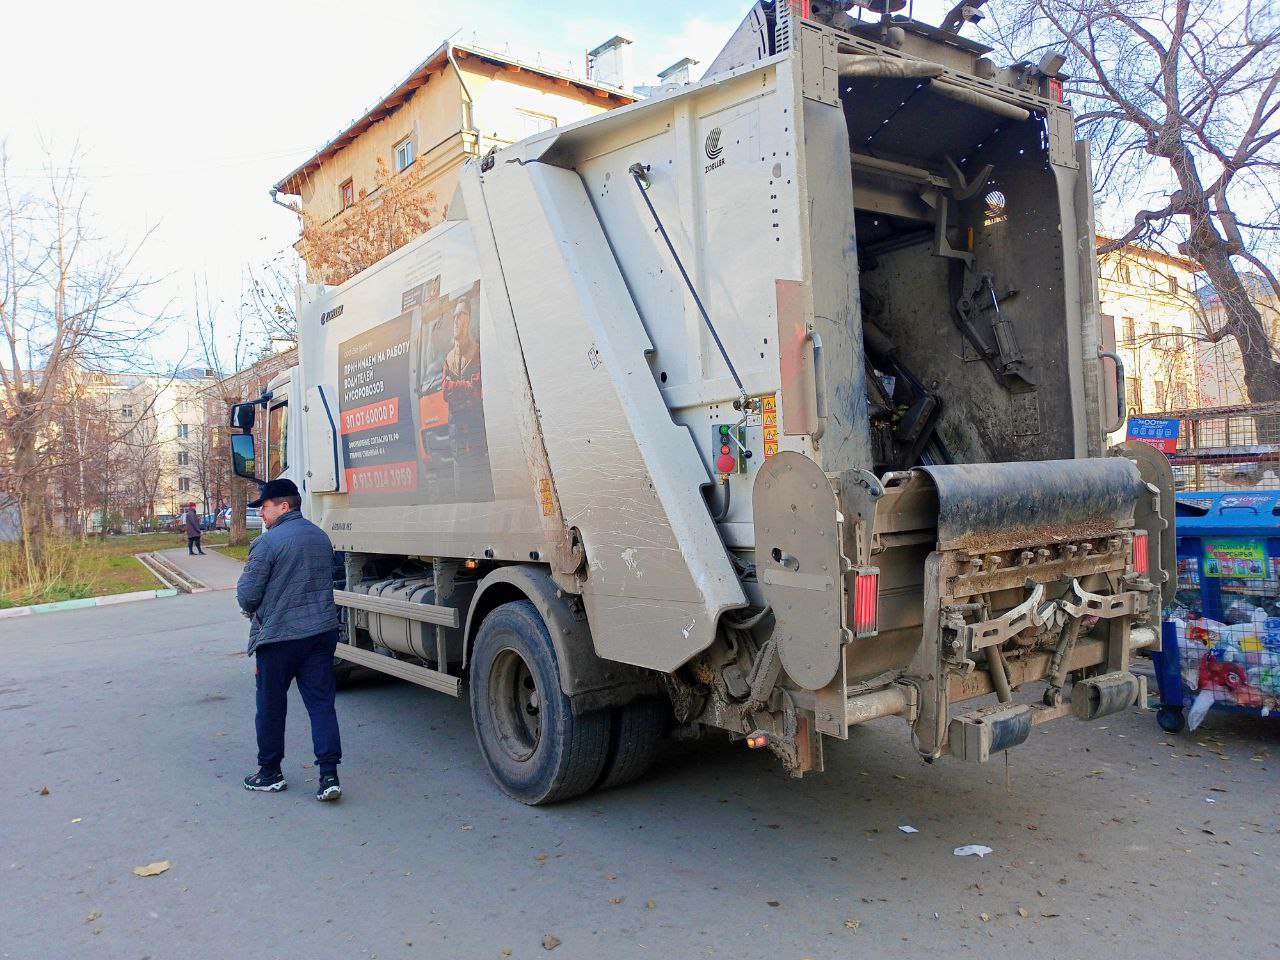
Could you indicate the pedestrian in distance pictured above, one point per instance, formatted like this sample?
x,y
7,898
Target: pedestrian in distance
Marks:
x,y
286,591
191,523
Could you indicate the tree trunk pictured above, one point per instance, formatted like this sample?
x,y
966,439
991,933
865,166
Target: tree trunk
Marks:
x,y
238,534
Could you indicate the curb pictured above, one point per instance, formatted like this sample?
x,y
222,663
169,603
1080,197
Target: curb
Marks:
x,y
58,605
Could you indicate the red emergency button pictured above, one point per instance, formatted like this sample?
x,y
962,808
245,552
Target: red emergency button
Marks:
x,y
726,463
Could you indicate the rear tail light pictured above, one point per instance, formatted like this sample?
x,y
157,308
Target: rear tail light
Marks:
x,y
1055,89
866,601
1140,553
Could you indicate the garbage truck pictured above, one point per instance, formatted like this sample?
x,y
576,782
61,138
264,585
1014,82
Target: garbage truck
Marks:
x,y
771,404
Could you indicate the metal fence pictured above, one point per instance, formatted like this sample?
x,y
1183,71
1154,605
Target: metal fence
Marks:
x,y
1228,448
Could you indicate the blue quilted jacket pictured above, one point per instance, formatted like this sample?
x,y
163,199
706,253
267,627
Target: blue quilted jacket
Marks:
x,y
287,584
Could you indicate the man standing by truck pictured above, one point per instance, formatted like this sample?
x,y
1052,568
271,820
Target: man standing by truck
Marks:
x,y
286,590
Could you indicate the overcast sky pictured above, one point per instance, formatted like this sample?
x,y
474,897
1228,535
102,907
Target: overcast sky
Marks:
x,y
186,114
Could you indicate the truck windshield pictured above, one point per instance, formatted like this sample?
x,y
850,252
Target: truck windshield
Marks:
x,y
277,440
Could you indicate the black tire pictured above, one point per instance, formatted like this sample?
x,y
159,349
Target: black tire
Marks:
x,y
534,746
1171,719
634,744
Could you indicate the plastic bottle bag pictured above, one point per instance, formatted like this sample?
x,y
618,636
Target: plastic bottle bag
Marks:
x,y
1199,707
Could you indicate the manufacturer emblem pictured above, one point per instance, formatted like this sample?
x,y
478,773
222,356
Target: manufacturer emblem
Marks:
x,y
713,144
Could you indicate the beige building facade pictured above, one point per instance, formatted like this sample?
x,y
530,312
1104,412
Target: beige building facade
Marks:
x,y
1149,305
458,103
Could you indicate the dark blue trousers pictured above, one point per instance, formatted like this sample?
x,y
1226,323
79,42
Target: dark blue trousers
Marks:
x,y
309,661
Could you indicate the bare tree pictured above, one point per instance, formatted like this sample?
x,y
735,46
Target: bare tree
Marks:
x,y
1181,99
270,298
396,210
68,303
223,354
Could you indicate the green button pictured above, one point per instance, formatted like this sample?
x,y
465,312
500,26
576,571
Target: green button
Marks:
x,y
724,428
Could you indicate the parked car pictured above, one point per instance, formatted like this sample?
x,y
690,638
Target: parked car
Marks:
x,y
252,519
208,520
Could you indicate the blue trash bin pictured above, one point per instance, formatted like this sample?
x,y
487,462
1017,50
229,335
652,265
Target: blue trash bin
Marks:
x,y
1221,635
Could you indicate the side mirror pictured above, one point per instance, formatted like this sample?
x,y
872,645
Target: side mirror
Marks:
x,y
242,454
243,416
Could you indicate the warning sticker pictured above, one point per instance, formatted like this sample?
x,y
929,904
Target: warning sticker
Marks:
x,y
769,420
544,495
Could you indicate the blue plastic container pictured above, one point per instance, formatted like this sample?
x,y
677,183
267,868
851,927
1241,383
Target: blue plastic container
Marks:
x,y
1221,636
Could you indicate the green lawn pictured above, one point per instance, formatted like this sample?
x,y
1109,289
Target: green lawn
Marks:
x,y
240,552
99,567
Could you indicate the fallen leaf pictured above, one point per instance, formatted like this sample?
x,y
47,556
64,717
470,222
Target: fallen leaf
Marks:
x,y
1042,893
1022,912
541,858
44,791
986,917
152,869
467,826
898,776
1050,915
611,876
852,924
616,900
93,915
550,942
76,819
771,903
506,951
651,905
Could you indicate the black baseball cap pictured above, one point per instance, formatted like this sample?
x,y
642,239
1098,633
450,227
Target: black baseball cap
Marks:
x,y
274,490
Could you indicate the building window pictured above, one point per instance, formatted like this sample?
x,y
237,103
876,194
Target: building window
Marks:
x,y
348,194
1133,394
126,412
183,430
1122,273
531,123
183,458
1160,394
1173,285
184,484
1127,329
404,154
1155,334
1180,395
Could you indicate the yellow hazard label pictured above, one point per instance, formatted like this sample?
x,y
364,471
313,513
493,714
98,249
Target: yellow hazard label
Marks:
x,y
544,494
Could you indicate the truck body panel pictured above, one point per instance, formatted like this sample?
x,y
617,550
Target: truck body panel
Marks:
x,y
780,385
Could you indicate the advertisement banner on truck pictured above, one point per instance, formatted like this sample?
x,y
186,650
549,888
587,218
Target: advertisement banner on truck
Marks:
x,y
411,407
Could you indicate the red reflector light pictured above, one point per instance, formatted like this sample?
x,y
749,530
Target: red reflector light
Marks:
x,y
866,598
1140,553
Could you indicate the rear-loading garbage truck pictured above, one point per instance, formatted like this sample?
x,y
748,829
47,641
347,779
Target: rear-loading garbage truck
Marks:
x,y
771,404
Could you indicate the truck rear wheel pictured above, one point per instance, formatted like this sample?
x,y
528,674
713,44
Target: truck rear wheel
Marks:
x,y
534,746
633,745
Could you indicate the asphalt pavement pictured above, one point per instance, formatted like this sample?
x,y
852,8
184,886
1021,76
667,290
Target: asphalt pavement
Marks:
x,y
126,731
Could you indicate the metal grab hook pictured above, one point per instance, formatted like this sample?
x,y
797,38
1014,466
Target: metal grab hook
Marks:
x,y
1111,355
819,386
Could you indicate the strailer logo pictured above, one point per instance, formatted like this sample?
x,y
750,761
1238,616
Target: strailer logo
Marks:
x,y
713,150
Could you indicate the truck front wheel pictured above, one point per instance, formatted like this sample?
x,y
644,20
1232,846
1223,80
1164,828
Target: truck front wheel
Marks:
x,y
534,746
